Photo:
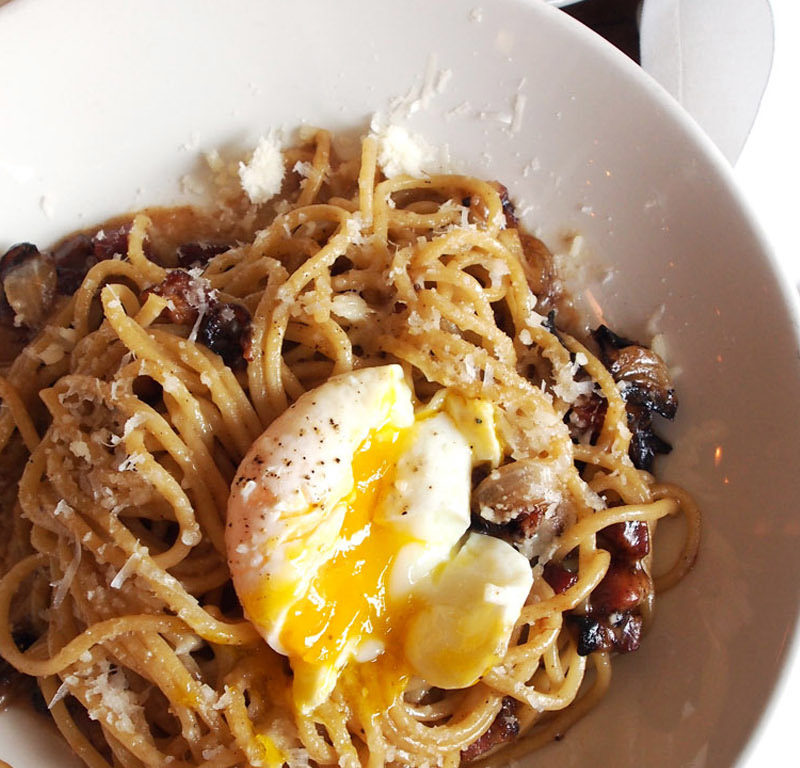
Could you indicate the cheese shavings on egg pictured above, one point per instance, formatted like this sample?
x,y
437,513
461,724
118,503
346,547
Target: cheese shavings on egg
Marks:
x,y
348,538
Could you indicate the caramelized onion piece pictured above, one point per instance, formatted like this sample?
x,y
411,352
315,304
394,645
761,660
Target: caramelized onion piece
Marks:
x,y
198,254
508,207
73,258
514,489
521,502
225,330
645,443
505,728
29,284
16,256
646,377
630,540
223,327
622,634
541,272
76,255
186,296
647,388
558,577
624,587
613,620
586,417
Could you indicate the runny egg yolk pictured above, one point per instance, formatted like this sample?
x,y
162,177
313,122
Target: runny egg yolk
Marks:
x,y
346,601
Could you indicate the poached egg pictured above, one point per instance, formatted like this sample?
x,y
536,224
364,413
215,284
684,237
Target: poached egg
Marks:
x,y
348,540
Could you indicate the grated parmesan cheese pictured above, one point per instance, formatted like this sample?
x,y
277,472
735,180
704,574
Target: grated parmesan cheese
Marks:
x,y
191,537
62,586
350,306
189,643
262,175
80,449
517,112
128,566
497,270
566,388
171,384
401,152
464,108
134,421
354,225
52,353
110,687
225,700
131,462
303,169
62,508
419,96
210,753
63,690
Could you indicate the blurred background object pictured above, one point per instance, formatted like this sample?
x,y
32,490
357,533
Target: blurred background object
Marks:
x,y
714,57
616,20
733,65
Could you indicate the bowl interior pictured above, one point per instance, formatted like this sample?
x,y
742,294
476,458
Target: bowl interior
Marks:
x,y
586,144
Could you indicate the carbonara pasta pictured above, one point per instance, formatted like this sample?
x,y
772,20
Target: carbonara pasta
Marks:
x,y
168,367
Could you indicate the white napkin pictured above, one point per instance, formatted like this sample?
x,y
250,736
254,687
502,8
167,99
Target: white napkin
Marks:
x,y
714,57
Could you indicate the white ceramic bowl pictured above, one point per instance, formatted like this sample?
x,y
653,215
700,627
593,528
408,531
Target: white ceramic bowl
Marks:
x,y
106,107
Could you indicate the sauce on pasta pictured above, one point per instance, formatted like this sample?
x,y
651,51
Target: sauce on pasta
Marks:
x,y
148,357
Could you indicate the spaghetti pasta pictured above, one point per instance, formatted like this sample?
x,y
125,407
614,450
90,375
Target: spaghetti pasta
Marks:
x,y
130,407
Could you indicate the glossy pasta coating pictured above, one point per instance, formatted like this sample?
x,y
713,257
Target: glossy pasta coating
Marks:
x,y
168,362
